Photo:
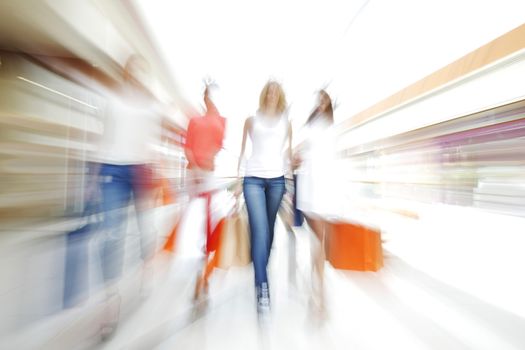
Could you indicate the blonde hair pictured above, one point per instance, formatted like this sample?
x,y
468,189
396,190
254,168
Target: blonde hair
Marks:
x,y
281,104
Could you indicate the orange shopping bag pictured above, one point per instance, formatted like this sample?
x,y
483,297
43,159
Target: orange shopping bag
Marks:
x,y
169,245
352,246
167,195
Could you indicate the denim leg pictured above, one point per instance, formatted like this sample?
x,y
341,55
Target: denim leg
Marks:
x,y
298,217
275,189
255,196
116,193
142,184
76,273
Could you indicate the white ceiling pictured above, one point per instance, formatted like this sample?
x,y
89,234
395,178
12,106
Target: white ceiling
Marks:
x,y
307,44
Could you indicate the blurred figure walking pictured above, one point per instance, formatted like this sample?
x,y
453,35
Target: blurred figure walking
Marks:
x,y
127,157
316,188
204,139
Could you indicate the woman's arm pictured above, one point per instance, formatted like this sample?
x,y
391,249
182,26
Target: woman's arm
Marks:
x,y
290,156
191,158
247,126
188,146
210,106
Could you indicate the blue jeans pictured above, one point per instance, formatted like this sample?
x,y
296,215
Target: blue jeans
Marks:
x,y
76,274
298,216
263,198
119,184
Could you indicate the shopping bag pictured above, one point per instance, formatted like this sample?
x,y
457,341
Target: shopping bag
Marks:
x,y
169,245
352,246
166,192
213,239
234,245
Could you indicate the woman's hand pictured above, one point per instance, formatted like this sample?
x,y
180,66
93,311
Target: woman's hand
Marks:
x,y
296,161
237,189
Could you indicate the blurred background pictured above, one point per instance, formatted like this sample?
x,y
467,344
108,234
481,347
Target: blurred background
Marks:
x,y
430,123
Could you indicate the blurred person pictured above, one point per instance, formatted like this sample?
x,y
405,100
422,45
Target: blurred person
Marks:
x,y
264,182
120,169
126,157
204,139
316,188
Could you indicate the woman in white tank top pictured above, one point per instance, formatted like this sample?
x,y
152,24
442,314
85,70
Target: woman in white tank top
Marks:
x,y
317,185
264,183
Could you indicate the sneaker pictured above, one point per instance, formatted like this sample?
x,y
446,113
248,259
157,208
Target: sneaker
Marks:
x,y
263,298
111,314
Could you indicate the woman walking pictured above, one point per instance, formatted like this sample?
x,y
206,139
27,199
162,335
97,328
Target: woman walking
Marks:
x,y
264,183
317,185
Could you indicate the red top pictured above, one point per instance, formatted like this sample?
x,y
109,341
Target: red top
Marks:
x,y
204,139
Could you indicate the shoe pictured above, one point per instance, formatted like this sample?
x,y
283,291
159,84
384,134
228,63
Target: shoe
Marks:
x,y
107,330
201,289
111,314
317,311
263,299
200,300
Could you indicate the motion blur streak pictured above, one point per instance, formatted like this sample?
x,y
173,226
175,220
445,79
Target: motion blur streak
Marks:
x,y
103,229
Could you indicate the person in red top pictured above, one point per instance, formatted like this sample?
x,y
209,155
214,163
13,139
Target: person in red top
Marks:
x,y
204,139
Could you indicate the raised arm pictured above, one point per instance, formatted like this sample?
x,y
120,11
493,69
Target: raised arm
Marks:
x,y
210,106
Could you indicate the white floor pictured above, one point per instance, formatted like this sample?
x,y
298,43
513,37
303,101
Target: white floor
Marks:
x,y
403,306
399,307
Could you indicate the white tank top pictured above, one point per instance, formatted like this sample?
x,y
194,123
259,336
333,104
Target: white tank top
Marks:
x,y
268,135
132,130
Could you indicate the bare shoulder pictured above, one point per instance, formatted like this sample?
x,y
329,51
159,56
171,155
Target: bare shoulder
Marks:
x,y
289,126
248,122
